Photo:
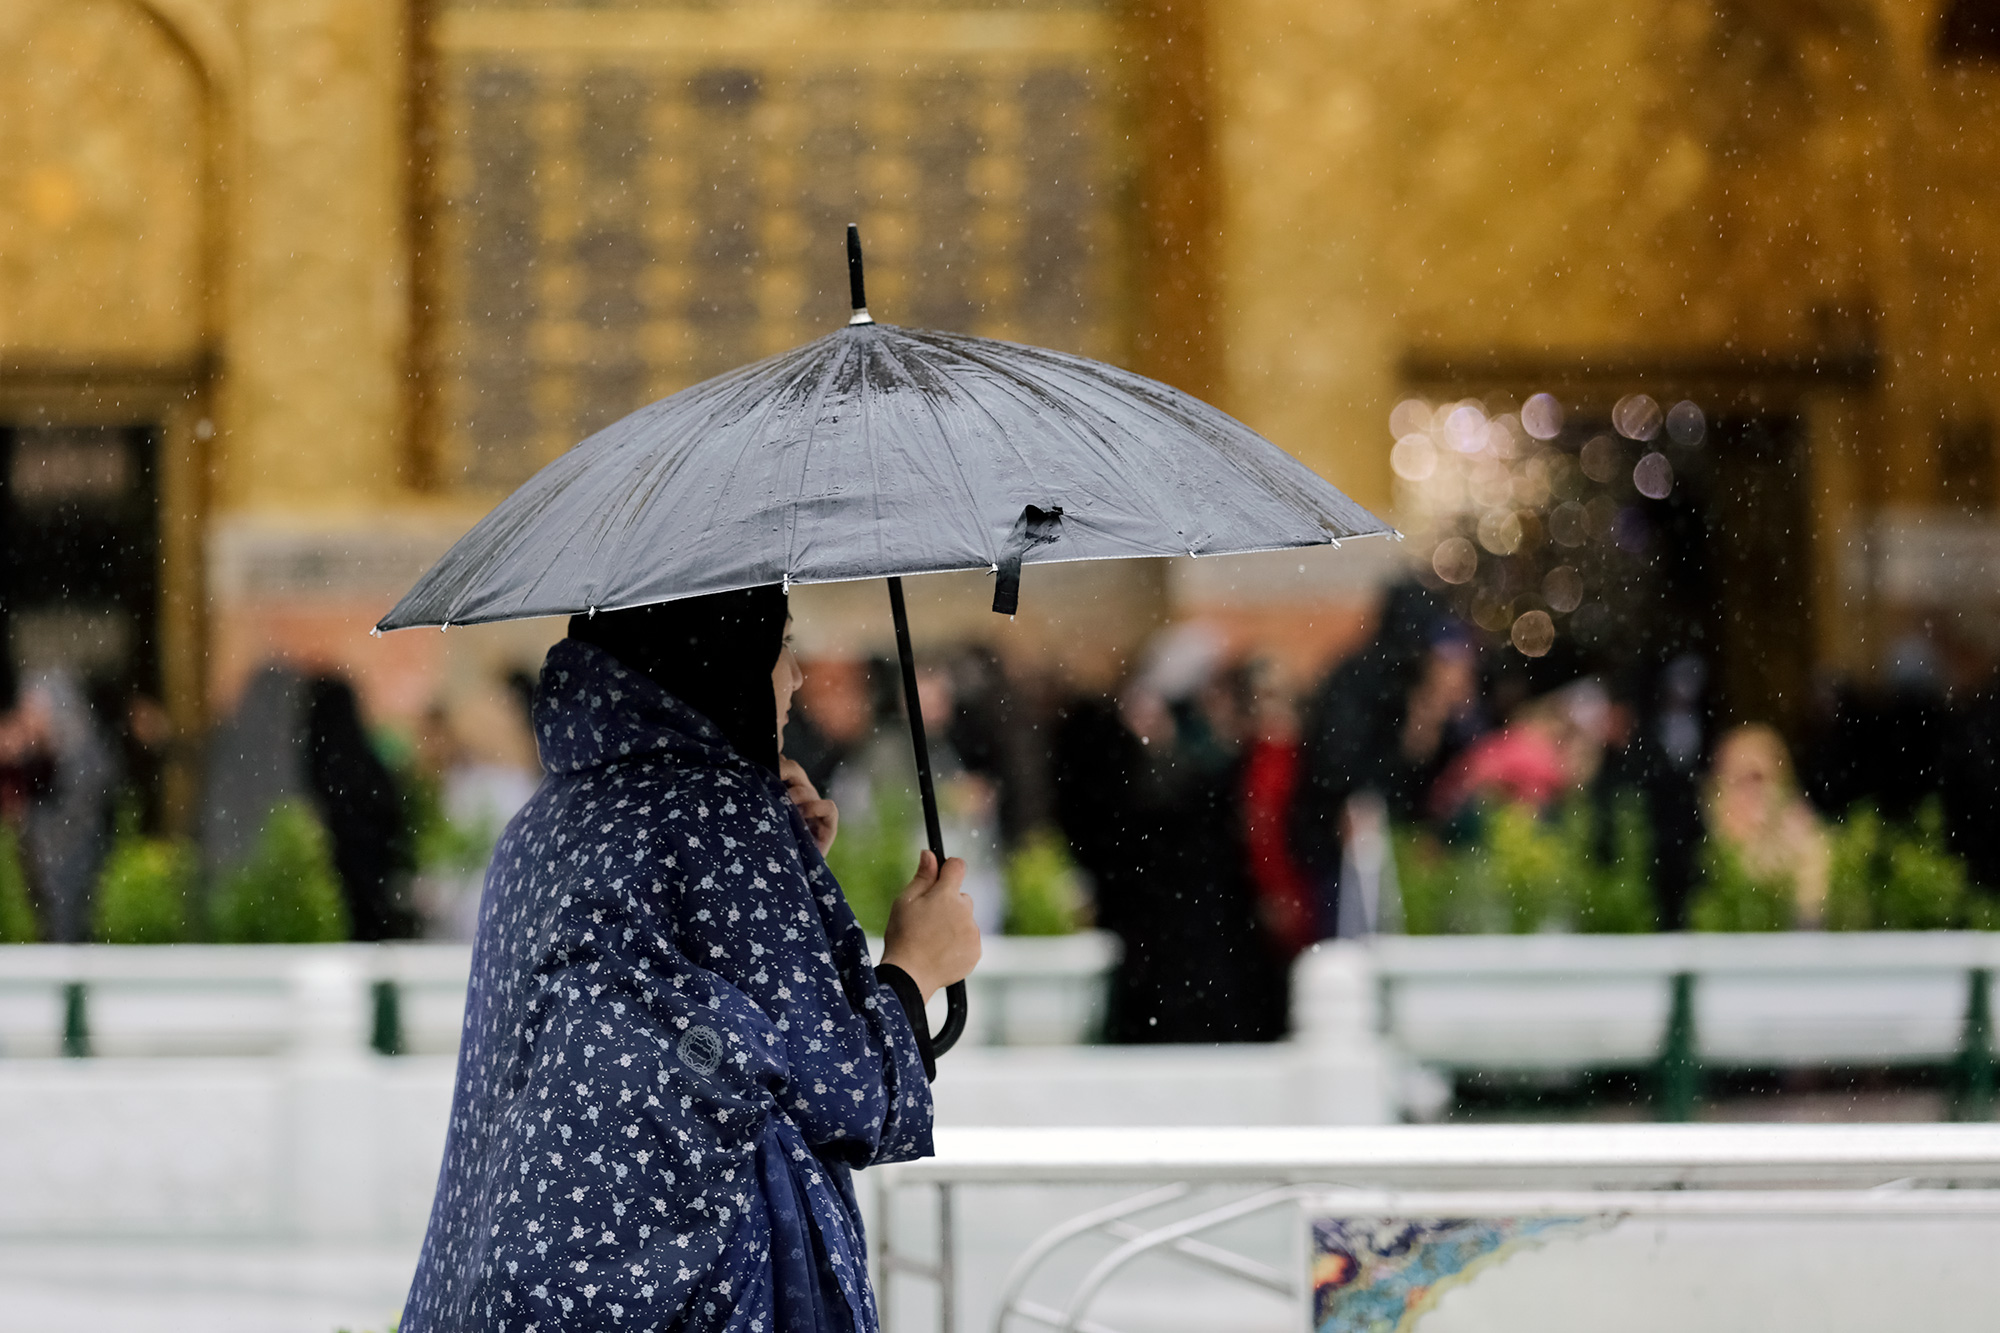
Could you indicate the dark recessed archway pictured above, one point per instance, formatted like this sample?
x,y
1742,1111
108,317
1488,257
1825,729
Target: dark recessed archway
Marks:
x,y
1971,32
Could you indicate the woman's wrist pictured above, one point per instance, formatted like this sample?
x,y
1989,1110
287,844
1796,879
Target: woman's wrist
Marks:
x,y
922,976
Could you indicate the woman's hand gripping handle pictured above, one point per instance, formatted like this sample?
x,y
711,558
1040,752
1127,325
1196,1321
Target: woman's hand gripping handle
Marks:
x,y
932,935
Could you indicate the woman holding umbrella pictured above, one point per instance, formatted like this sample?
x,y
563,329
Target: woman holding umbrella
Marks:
x,y
675,1049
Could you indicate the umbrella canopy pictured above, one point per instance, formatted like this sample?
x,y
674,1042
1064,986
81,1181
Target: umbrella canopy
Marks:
x,y
875,451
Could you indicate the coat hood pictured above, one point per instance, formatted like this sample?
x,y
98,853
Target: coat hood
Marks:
x,y
591,711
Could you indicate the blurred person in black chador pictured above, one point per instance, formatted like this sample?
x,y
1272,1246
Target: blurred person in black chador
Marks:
x,y
1972,778
1387,720
1147,793
363,810
1661,756
1887,745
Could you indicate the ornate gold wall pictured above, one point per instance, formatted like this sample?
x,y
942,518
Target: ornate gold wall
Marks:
x,y
631,200
1780,207
229,216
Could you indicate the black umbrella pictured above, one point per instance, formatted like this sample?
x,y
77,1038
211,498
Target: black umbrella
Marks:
x,y
875,452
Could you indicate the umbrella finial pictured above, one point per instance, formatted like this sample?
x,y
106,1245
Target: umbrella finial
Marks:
x,y
856,288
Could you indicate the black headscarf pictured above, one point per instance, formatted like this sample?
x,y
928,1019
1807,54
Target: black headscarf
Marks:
x,y
713,653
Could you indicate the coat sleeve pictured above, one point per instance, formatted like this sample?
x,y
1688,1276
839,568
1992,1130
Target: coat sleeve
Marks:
x,y
904,1055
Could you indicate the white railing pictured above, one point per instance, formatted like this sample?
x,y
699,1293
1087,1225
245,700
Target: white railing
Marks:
x,y
1563,1001
975,1238
230,1000
226,1000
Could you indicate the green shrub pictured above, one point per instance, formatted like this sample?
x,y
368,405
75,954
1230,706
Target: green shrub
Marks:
x,y
146,891
1731,899
442,846
17,914
1043,897
1882,875
1515,870
1901,876
288,892
873,858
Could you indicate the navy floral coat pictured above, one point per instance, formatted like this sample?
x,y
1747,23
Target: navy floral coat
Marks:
x,y
675,1049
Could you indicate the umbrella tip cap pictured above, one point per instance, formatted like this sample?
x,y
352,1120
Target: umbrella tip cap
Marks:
x,y
856,287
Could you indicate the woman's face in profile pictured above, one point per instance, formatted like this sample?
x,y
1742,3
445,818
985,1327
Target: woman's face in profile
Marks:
x,y
786,677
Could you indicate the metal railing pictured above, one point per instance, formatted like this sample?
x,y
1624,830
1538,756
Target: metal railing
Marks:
x,y
1170,1179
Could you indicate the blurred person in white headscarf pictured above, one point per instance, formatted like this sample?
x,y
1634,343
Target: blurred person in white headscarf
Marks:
x,y
68,821
478,751
878,783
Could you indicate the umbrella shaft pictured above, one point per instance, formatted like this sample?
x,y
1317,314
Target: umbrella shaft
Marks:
x,y
925,785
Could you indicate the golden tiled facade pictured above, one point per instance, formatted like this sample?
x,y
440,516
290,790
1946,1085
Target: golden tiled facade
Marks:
x,y
363,264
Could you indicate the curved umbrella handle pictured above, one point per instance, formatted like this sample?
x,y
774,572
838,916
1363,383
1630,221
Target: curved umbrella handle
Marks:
x,y
947,1036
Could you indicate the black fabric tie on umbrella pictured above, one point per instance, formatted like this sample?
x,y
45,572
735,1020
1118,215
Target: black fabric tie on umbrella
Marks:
x,y
877,452
1036,527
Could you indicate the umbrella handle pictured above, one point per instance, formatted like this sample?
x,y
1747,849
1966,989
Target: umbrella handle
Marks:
x,y
947,1036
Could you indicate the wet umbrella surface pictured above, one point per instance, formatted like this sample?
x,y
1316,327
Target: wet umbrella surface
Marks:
x,y
874,452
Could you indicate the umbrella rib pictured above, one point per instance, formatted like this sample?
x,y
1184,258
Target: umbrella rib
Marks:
x,y
957,466
1026,463
1186,418
1062,410
653,474
827,374
576,534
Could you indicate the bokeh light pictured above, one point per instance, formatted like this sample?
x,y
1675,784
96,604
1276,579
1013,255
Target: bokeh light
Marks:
x,y
1637,417
1412,416
1533,633
1465,428
1414,458
1599,516
1566,525
1653,476
1455,560
1491,611
1562,588
1500,531
1602,459
1542,416
1685,423
1490,483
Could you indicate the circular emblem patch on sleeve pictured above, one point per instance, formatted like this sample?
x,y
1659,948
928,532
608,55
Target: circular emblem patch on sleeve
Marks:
x,y
700,1049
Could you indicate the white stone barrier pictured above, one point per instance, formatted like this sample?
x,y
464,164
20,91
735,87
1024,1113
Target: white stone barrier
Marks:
x,y
1555,1002
234,1000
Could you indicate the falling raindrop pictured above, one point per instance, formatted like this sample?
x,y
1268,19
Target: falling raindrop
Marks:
x,y
1562,588
1542,416
1534,633
1414,458
1685,423
1454,560
1654,476
1412,416
1602,459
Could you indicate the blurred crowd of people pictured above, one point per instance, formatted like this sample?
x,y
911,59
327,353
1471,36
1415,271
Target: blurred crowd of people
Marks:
x,y
1222,818
408,816
1225,822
